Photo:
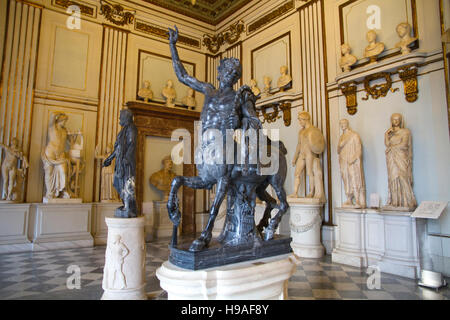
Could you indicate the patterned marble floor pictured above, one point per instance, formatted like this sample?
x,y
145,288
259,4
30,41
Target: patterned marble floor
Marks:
x,y
42,276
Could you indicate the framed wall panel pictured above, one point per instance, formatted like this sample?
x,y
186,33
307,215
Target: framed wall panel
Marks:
x,y
356,16
158,69
267,59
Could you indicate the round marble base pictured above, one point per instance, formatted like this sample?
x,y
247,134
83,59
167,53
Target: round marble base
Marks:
x,y
263,279
124,272
305,224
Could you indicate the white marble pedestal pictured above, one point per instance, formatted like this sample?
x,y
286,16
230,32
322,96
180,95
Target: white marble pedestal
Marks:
x,y
305,225
124,272
263,279
162,226
14,218
369,237
100,211
61,226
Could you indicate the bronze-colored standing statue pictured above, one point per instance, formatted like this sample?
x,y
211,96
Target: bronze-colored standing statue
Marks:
x,y
125,170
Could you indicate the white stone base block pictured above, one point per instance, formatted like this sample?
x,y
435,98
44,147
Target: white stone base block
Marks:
x,y
100,212
305,224
124,272
61,226
162,226
14,219
368,237
263,279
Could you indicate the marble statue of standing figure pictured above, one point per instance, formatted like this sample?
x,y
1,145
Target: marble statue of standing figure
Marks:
x,y
169,94
398,143
107,191
114,277
404,32
374,49
11,169
311,144
347,60
350,161
56,162
125,169
162,179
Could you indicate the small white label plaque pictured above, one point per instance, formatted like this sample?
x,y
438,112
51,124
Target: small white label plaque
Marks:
x,y
429,210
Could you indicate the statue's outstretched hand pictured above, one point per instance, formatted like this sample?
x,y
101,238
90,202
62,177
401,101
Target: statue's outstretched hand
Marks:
x,y
106,163
173,35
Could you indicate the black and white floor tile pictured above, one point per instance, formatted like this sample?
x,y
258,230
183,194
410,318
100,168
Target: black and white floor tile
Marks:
x,y
43,275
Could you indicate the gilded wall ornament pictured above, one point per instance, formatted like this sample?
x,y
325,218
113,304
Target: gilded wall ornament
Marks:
x,y
116,14
229,35
349,91
378,90
408,74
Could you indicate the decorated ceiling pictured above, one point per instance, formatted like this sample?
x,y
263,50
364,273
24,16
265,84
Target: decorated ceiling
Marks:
x,y
209,11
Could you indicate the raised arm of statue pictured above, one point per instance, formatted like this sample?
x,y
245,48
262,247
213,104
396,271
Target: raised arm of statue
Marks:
x,y
180,71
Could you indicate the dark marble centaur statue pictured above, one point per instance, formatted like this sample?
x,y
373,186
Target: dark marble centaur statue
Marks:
x,y
125,170
225,109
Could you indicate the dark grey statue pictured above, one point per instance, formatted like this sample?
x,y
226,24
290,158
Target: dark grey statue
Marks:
x,y
224,109
125,170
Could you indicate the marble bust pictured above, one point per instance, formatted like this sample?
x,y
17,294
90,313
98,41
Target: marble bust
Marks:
x,y
285,79
351,166
189,99
146,93
169,94
162,179
254,87
311,144
347,60
374,49
404,32
398,142
267,85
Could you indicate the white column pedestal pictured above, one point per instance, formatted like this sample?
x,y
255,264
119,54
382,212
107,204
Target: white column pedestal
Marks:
x,y
124,272
101,210
263,279
305,224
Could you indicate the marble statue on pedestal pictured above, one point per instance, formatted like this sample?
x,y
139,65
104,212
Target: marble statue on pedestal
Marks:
x,y
189,99
163,178
125,169
57,162
404,32
347,60
398,143
374,49
311,144
107,191
226,109
254,87
351,166
14,168
285,79
169,94
145,92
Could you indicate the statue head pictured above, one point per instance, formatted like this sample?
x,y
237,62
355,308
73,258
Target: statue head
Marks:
x,y
167,163
345,49
169,84
15,143
397,120
190,92
229,71
304,118
126,117
253,83
146,84
283,70
343,123
371,36
60,119
403,29
267,80
116,239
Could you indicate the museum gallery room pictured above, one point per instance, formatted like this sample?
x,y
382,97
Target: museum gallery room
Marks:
x,y
224,150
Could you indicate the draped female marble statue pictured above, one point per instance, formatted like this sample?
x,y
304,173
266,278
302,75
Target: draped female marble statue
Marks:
x,y
56,162
163,178
13,170
311,144
107,191
398,143
350,160
125,169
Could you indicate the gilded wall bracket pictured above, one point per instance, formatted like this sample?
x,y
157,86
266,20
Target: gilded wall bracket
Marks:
x,y
408,74
274,115
349,91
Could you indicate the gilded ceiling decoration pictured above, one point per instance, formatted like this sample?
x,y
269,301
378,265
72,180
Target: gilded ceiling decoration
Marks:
x,y
209,11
